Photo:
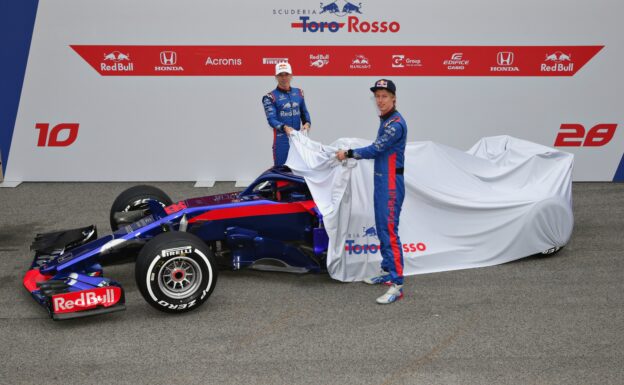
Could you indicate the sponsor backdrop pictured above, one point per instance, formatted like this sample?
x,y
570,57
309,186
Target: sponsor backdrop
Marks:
x,y
160,90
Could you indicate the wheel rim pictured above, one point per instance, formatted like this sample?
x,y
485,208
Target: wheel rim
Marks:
x,y
179,277
139,204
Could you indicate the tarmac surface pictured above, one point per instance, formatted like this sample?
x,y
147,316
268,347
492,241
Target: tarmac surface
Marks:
x,y
554,320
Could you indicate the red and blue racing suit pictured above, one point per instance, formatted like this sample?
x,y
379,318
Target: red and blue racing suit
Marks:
x,y
388,150
284,108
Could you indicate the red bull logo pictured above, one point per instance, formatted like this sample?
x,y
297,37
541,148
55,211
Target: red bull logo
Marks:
x,y
557,62
319,61
86,299
120,62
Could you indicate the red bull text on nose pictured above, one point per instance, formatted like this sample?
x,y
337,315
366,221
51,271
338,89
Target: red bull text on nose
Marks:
x,y
353,24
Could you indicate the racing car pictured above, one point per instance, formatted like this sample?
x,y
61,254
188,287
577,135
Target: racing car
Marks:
x,y
179,247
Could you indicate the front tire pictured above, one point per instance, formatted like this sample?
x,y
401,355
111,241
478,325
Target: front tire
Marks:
x,y
135,199
176,272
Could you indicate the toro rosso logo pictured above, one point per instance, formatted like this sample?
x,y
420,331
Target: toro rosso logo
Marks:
x,y
353,246
342,8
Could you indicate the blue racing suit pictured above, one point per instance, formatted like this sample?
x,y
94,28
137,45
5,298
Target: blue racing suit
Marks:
x,y
284,108
388,150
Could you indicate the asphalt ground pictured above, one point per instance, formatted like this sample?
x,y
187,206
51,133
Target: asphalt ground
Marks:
x,y
555,320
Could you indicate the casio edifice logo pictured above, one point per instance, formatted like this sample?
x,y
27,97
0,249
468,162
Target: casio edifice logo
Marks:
x,y
457,62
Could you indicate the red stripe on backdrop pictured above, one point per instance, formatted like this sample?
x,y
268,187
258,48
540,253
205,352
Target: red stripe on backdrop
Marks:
x,y
158,60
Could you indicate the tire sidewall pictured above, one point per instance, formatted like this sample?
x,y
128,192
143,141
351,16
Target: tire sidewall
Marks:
x,y
162,250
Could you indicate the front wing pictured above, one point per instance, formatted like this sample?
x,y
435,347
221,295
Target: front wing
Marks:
x,y
80,293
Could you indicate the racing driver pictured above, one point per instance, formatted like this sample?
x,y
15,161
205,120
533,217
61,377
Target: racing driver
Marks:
x,y
388,150
285,108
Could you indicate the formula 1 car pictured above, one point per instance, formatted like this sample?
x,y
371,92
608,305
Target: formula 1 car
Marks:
x,y
180,246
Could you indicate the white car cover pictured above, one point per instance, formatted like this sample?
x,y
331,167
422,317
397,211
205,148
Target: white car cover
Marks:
x,y
502,200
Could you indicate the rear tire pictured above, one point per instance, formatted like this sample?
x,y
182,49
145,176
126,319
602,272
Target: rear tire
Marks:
x,y
134,199
550,252
176,272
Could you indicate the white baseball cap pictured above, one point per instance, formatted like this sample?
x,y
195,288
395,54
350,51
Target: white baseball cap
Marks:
x,y
283,67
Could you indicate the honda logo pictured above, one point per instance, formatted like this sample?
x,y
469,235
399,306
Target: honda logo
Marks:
x,y
505,58
168,58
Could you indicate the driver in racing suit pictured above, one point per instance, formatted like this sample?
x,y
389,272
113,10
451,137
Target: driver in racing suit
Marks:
x,y
388,150
285,108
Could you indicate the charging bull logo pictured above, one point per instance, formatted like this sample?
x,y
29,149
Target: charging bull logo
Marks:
x,y
330,8
350,8
370,232
116,56
557,57
347,8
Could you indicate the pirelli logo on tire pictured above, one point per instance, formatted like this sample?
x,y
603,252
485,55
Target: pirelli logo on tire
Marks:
x,y
177,251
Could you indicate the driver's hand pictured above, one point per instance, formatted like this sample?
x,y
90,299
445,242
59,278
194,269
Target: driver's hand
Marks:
x,y
306,127
288,130
341,155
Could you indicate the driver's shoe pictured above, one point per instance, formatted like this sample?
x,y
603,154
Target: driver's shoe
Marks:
x,y
394,293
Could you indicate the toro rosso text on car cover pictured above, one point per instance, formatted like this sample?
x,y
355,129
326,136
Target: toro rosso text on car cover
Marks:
x,y
179,246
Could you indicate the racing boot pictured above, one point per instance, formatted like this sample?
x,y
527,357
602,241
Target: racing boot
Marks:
x,y
394,293
382,277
